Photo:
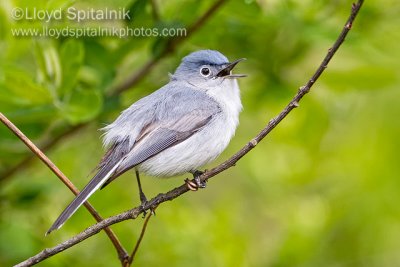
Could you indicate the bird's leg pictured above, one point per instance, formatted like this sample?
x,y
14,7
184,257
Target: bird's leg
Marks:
x,y
143,199
194,186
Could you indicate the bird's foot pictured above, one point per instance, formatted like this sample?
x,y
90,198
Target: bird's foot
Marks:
x,y
144,212
143,208
143,203
196,183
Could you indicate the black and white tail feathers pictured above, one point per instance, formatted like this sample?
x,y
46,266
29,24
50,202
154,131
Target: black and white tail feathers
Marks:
x,y
106,169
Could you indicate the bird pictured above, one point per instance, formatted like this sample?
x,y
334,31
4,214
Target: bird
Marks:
x,y
177,129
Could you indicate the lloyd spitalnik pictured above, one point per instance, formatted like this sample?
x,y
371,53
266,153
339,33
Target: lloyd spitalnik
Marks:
x,y
72,13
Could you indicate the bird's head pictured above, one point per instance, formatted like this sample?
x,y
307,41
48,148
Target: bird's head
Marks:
x,y
206,69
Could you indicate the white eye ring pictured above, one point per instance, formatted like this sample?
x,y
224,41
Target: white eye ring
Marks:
x,y
205,71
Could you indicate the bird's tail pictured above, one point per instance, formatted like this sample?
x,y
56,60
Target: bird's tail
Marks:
x,y
97,181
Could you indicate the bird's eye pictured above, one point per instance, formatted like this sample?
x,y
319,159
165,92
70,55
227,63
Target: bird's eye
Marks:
x,y
205,71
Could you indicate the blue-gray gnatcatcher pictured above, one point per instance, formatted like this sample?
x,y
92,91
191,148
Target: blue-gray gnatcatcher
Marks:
x,y
177,129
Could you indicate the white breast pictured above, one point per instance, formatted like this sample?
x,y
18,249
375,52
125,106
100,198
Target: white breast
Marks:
x,y
205,145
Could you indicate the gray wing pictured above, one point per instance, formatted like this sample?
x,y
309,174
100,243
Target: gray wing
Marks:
x,y
161,138
177,118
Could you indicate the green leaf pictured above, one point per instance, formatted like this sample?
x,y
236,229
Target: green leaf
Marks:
x,y
98,72
137,9
71,56
82,105
19,89
47,64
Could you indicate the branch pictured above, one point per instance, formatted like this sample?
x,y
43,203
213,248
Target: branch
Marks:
x,y
123,255
154,10
174,193
136,248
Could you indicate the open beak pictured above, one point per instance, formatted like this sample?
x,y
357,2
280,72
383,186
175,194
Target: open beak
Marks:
x,y
226,72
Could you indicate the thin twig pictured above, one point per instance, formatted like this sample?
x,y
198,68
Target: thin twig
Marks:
x,y
123,255
176,192
136,77
154,10
138,242
46,253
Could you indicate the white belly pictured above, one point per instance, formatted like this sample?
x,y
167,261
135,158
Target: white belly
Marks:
x,y
198,150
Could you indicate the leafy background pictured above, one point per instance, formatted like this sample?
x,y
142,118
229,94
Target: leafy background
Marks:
x,y
321,190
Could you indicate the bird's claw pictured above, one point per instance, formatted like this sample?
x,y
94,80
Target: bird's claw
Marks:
x,y
143,208
196,183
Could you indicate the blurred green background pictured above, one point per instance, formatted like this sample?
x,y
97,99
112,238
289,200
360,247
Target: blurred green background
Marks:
x,y
321,190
